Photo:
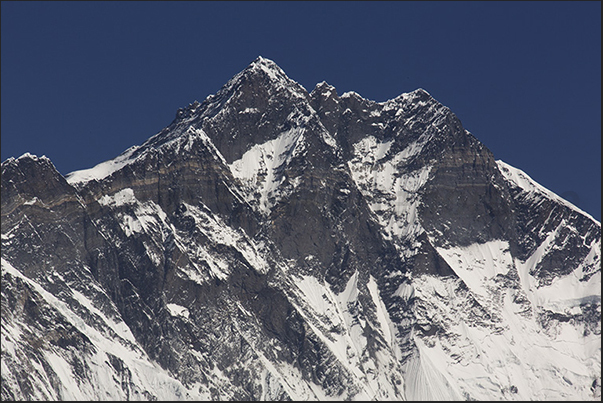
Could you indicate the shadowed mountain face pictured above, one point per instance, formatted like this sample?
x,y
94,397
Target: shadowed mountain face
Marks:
x,y
275,244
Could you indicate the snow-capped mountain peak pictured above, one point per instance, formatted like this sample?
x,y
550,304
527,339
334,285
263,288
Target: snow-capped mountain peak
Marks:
x,y
275,244
261,75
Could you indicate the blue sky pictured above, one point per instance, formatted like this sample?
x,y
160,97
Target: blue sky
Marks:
x,y
83,81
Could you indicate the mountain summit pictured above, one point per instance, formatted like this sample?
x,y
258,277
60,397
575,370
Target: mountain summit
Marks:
x,y
275,244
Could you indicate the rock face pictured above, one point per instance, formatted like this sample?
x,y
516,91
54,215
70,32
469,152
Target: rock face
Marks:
x,y
275,244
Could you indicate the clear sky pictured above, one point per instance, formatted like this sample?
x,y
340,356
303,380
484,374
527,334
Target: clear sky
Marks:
x,y
83,81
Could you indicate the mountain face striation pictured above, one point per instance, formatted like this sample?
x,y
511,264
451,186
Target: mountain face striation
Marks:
x,y
275,244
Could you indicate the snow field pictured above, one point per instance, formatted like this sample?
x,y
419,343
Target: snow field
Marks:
x,y
341,327
527,184
392,192
478,264
522,361
258,169
178,310
101,170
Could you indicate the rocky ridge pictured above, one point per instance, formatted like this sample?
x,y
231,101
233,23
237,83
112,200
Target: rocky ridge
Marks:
x,y
275,244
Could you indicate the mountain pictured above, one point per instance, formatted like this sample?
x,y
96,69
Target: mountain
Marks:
x,y
275,244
